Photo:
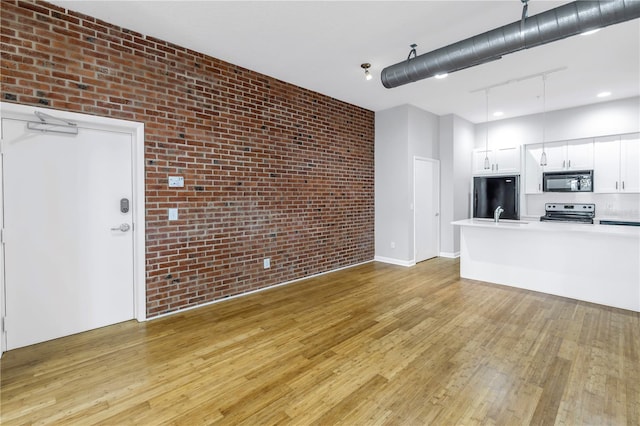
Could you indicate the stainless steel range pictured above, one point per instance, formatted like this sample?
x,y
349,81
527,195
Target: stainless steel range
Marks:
x,y
577,213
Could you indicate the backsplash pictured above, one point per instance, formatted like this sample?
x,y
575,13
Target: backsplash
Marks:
x,y
607,205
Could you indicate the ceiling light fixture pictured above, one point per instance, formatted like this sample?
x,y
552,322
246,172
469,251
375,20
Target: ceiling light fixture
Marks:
x,y
367,74
441,76
498,114
603,94
586,33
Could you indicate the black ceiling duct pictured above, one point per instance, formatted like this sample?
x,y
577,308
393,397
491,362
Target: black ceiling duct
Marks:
x,y
546,27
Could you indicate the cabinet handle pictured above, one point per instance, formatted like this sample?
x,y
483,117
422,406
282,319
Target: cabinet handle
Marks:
x,y
539,187
569,165
564,163
492,166
496,166
616,185
623,185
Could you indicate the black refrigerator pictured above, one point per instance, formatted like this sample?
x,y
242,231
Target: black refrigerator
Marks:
x,y
489,192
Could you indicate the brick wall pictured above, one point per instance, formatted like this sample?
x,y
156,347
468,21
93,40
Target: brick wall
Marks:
x,y
271,169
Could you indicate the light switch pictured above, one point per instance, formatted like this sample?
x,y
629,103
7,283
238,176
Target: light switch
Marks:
x,y
176,181
173,214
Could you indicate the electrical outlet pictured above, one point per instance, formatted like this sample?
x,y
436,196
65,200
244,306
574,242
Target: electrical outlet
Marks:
x,y
267,263
173,214
393,244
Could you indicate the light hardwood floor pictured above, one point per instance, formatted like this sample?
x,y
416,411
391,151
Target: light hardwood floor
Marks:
x,y
373,344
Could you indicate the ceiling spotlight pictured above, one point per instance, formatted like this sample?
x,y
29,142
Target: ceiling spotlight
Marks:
x,y
498,114
367,74
603,94
590,32
441,76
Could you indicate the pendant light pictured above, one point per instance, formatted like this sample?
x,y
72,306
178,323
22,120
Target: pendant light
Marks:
x,y
543,156
487,164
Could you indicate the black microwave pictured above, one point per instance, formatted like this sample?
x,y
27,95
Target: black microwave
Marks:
x,y
579,181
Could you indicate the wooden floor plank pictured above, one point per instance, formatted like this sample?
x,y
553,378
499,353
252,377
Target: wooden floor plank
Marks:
x,y
372,344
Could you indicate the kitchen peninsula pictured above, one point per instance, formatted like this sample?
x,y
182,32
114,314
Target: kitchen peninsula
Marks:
x,y
593,263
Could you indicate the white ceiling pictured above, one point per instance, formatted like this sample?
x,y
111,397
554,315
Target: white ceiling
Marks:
x,y
319,45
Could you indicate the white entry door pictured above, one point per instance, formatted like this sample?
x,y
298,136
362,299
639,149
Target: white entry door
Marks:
x,y
426,208
68,237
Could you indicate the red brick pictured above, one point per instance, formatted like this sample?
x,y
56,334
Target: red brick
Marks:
x,y
271,169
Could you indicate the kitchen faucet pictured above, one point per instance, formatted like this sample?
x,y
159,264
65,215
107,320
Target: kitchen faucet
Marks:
x,y
496,214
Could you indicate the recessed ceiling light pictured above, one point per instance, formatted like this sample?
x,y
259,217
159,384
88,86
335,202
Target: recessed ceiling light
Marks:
x,y
603,94
441,76
590,32
498,114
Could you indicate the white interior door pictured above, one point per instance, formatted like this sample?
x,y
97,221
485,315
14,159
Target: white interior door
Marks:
x,y
68,241
426,188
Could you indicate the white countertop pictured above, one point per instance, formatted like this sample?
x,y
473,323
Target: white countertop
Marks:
x,y
537,226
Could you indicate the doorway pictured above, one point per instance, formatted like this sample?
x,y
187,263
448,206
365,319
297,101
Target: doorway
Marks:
x,y
72,226
426,219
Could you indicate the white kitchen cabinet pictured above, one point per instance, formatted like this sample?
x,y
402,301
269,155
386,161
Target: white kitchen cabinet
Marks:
x,y
556,156
501,160
607,164
580,154
533,169
507,159
569,155
630,163
617,164
478,161
561,156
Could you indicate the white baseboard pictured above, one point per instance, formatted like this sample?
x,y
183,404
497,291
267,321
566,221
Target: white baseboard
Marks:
x,y
235,296
453,255
407,263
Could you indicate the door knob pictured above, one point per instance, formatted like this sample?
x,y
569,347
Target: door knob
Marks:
x,y
123,228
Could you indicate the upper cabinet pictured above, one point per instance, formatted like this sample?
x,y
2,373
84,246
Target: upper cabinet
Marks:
x,y
617,164
561,156
533,169
572,155
501,161
630,163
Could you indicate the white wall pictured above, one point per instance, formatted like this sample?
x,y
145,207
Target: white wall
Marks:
x,y
423,142
391,189
456,144
401,133
448,235
601,119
